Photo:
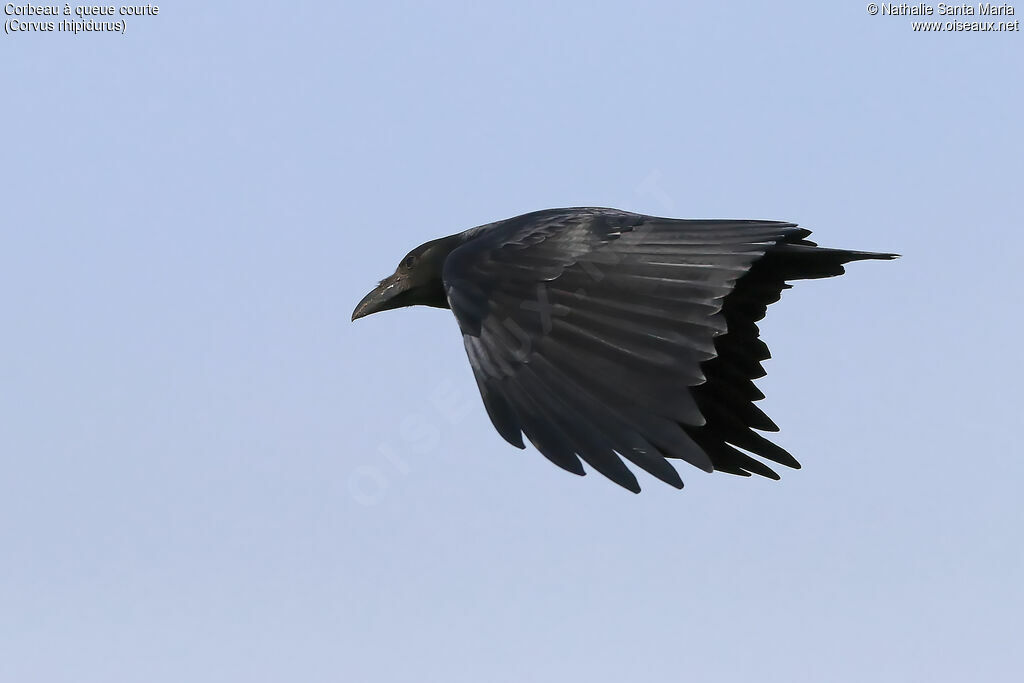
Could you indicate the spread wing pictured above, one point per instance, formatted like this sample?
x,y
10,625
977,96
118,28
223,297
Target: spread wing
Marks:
x,y
600,333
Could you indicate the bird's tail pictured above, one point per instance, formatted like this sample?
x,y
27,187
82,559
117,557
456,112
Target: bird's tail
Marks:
x,y
801,259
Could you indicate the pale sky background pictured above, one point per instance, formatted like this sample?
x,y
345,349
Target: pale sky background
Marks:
x,y
207,473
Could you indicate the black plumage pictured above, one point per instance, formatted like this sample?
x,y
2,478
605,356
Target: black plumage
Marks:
x,y
602,334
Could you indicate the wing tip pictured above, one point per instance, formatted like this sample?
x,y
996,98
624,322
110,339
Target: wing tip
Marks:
x,y
515,439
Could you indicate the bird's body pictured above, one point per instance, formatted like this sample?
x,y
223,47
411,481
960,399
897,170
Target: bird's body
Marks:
x,y
600,333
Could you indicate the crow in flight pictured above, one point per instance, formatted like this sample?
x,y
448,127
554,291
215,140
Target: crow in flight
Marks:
x,y
600,333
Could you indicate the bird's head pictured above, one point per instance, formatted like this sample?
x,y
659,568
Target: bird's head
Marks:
x,y
416,281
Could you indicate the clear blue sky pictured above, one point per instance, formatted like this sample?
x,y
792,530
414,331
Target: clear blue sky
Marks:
x,y
207,473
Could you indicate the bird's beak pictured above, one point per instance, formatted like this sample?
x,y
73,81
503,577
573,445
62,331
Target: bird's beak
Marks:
x,y
383,297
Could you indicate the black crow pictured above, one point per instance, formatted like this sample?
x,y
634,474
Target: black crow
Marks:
x,y
600,333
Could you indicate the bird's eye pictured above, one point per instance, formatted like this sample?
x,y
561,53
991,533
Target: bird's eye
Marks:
x,y
409,260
